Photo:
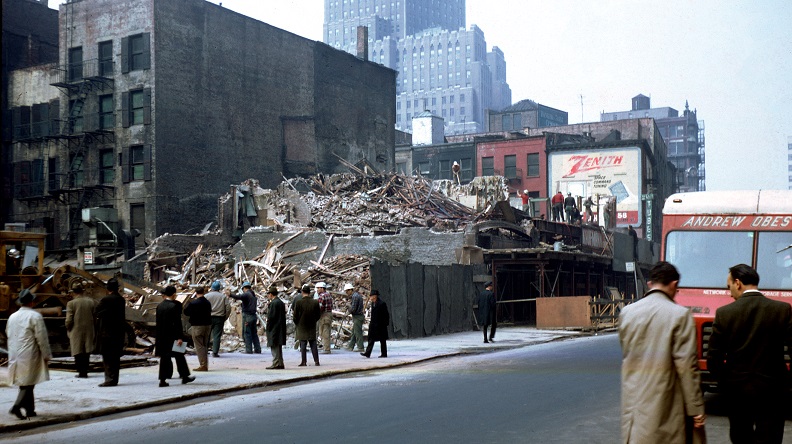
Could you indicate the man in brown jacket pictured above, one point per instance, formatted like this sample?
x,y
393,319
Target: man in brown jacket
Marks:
x,y
80,327
661,393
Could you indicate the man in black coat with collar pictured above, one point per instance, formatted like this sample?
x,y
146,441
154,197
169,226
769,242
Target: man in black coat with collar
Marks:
x,y
487,315
746,356
169,333
110,332
378,325
276,328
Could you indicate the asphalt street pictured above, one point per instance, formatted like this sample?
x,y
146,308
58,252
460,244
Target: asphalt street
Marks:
x,y
559,392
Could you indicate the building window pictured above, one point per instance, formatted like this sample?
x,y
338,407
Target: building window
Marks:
x,y
106,117
466,173
517,122
136,162
423,168
75,70
409,104
461,110
106,58
533,165
398,105
461,97
451,99
434,101
137,221
136,107
76,171
75,116
506,122
510,166
106,167
487,166
135,52
451,112
445,169
401,167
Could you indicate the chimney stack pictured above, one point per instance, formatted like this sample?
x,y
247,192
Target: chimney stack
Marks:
x,y
362,42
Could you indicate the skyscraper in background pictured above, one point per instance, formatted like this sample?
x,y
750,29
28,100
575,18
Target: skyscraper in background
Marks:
x,y
442,67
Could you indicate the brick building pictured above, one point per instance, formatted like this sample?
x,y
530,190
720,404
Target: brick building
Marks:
x,y
156,106
29,38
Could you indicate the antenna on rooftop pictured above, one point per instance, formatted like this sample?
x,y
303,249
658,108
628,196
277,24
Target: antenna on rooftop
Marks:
x,y
581,108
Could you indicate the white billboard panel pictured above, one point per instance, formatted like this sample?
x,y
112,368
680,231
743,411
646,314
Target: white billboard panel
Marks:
x,y
604,172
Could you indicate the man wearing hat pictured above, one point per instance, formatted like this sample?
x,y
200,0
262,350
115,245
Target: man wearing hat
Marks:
x,y
199,311
306,315
110,331
486,312
276,328
378,325
356,310
169,334
249,318
326,317
526,206
221,309
28,353
80,327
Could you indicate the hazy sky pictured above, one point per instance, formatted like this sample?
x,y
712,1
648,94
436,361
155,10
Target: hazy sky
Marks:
x,y
731,60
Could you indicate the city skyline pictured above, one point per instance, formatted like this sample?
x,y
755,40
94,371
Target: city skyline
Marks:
x,y
731,64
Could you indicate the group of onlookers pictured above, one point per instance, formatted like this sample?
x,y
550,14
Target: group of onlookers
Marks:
x,y
100,327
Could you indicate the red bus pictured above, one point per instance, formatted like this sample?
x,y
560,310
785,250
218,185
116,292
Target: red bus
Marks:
x,y
705,233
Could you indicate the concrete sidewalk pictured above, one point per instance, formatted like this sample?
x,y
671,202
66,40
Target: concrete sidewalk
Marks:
x,y
65,398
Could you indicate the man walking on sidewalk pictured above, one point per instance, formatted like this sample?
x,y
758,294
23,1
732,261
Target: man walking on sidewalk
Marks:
x,y
169,337
306,315
378,325
326,318
80,328
200,312
249,318
28,353
276,328
110,331
486,312
221,309
356,310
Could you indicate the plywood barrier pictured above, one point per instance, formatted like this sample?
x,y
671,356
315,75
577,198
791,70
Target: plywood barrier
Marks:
x,y
565,311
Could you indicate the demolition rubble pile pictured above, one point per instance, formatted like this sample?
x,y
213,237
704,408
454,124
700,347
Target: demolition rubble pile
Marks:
x,y
341,204
349,203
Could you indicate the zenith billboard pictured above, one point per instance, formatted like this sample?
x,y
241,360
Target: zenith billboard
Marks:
x,y
601,173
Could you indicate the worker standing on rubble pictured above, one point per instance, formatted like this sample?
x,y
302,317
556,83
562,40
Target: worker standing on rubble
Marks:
x,y
326,317
169,337
356,310
378,325
276,328
221,309
557,201
200,312
110,331
570,207
306,315
80,328
249,318
28,353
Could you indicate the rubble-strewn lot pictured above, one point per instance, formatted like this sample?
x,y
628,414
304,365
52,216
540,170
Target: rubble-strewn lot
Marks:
x,y
339,204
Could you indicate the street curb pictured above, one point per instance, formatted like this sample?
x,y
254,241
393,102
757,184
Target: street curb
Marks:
x,y
29,425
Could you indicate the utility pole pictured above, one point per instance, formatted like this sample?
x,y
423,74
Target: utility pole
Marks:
x,y
581,108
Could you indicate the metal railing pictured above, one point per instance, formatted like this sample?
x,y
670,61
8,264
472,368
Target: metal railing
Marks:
x,y
78,71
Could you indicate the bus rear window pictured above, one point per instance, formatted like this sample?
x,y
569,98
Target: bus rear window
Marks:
x,y
703,258
774,260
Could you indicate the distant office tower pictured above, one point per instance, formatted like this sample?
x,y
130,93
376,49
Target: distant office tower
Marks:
x,y
683,135
442,67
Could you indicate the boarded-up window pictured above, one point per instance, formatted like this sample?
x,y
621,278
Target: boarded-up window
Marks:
x,y
300,151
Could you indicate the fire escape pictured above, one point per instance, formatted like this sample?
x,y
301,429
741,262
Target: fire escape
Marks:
x,y
79,136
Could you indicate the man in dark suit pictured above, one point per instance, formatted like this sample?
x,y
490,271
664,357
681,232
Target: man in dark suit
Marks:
x,y
276,328
170,332
746,356
110,331
378,325
486,312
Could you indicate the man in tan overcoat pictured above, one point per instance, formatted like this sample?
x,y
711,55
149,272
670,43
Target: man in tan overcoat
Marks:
x,y
660,382
80,327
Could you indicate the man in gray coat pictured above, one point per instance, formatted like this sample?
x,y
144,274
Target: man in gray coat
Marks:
x,y
221,309
276,328
660,377
80,327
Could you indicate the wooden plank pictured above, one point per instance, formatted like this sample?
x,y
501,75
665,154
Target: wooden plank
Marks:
x,y
324,250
